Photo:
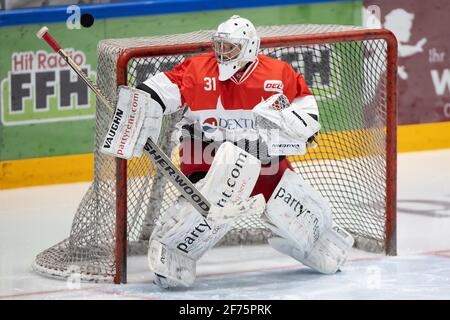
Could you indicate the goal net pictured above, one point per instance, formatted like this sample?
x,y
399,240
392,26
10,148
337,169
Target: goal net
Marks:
x,y
351,71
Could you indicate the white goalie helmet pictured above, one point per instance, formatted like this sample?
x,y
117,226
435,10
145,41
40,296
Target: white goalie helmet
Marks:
x,y
235,44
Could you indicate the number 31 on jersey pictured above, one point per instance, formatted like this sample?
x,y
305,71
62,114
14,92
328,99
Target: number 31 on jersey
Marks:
x,y
210,83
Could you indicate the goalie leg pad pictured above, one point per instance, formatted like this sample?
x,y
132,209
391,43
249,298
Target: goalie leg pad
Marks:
x,y
301,218
330,251
227,185
171,268
298,210
328,254
231,177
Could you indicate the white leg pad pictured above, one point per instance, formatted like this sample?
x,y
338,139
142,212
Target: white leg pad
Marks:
x,y
182,235
298,210
328,254
301,218
175,267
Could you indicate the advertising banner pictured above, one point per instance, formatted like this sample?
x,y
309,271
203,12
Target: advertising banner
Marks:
x,y
421,28
45,109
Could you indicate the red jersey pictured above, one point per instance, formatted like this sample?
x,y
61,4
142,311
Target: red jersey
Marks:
x,y
228,104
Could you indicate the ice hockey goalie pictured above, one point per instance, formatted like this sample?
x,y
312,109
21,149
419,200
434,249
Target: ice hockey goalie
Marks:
x,y
244,113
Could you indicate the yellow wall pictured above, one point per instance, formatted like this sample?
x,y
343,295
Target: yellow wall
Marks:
x,y
44,171
419,137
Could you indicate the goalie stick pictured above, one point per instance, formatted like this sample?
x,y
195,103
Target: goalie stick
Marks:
x,y
179,180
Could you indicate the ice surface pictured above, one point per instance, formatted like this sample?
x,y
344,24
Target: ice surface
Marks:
x,y
32,219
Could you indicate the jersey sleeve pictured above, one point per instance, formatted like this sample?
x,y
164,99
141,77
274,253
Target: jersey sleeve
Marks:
x,y
169,86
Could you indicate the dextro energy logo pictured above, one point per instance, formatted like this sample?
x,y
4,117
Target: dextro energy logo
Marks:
x,y
209,124
41,88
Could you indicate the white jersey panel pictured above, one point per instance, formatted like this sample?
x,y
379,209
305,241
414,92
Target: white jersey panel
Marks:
x,y
166,90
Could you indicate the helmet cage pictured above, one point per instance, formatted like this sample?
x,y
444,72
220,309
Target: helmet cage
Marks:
x,y
229,50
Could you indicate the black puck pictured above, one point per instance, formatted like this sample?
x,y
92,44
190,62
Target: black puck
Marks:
x,y
87,20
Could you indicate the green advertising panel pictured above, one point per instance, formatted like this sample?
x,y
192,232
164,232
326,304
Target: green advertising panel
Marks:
x,y
45,109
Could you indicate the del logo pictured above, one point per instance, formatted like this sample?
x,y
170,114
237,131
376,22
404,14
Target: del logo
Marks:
x,y
40,87
273,86
209,124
